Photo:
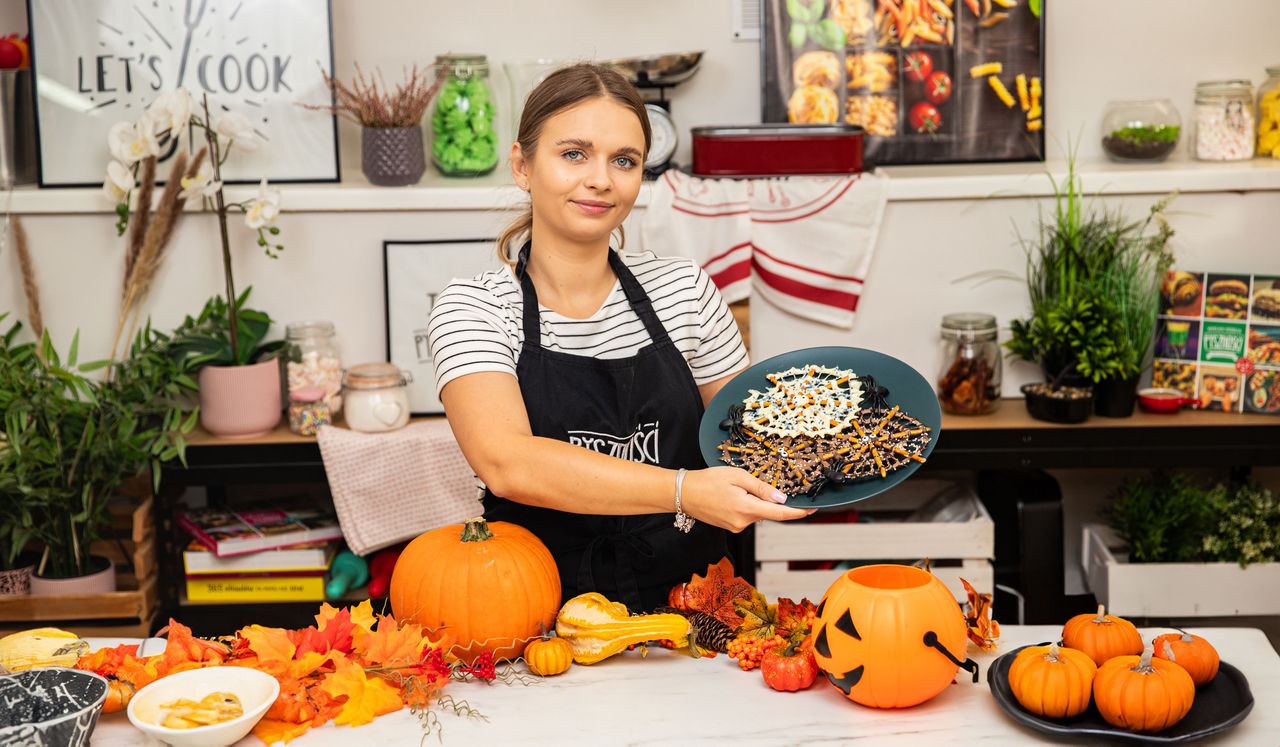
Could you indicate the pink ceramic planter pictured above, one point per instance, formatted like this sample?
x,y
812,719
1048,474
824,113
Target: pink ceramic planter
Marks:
x,y
95,583
240,401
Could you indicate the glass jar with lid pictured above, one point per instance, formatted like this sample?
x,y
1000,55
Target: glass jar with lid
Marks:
x,y
313,360
1269,114
308,411
969,382
1223,121
464,142
376,397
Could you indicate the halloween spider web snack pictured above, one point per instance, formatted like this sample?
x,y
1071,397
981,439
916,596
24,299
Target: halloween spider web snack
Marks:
x,y
808,431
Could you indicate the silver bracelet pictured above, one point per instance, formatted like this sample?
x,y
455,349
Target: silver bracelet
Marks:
x,y
684,522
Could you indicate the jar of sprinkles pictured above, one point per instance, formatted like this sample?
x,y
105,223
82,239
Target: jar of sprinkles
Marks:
x,y
308,410
1223,121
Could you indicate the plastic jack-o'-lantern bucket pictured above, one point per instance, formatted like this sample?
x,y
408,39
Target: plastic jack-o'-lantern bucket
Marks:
x,y
890,636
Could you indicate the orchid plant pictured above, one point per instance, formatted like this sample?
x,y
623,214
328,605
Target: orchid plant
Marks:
x,y
135,146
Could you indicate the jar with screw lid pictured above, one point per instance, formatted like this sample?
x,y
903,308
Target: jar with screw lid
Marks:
x,y
1223,121
376,396
464,142
969,382
312,360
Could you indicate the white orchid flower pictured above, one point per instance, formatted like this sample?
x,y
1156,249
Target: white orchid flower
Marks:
x,y
171,111
264,208
236,128
119,183
201,185
130,143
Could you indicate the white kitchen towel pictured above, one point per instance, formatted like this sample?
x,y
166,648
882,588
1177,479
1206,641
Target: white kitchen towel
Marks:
x,y
808,245
706,220
390,487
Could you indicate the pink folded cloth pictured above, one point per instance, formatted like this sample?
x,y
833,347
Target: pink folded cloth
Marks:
x,y
804,243
390,487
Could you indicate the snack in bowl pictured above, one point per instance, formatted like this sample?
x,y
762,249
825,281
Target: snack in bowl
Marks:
x,y
198,694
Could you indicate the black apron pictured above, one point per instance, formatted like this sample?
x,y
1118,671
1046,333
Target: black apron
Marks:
x,y
645,408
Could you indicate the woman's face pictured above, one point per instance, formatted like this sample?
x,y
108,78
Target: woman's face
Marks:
x,y
586,172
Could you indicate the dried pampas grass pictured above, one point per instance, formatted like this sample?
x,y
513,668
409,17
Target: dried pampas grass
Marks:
x,y
29,287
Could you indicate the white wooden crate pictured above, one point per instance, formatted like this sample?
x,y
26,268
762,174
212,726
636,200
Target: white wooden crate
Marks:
x,y
1175,589
972,543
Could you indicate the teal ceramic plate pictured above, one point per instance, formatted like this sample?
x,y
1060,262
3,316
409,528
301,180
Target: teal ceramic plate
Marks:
x,y
907,389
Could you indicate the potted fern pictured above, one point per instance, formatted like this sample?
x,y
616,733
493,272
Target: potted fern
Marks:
x,y
239,379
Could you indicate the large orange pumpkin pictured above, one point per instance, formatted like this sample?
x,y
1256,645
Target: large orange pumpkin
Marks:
x,y
1191,652
1141,693
488,587
887,636
1052,681
1102,636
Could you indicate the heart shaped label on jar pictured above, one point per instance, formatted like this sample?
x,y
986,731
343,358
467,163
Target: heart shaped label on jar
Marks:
x,y
387,412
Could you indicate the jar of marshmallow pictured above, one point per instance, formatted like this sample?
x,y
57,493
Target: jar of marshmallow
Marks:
x,y
312,360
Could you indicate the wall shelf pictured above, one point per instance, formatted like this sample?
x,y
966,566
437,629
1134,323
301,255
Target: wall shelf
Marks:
x,y
907,183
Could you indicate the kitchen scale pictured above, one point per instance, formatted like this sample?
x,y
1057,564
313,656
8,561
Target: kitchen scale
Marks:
x,y
654,76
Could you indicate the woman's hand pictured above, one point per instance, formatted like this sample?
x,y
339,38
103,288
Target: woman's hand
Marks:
x,y
730,498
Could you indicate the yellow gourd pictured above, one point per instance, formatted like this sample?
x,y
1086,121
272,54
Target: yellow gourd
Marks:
x,y
596,628
548,656
41,647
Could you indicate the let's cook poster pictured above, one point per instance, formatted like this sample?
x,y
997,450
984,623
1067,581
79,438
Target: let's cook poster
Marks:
x,y
931,81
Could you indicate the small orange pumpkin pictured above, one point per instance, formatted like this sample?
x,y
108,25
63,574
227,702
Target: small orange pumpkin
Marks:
x,y
548,656
1191,652
1102,636
487,587
888,636
1052,681
1142,693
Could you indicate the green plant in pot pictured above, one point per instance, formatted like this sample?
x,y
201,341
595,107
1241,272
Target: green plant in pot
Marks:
x,y
239,390
71,441
1093,280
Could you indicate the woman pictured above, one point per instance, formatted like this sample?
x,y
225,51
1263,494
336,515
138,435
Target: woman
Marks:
x,y
575,377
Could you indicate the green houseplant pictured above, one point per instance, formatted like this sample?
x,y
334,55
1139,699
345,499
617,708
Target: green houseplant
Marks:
x,y
71,440
1093,280
239,389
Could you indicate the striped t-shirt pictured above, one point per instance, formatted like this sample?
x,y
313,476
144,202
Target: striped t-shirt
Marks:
x,y
477,325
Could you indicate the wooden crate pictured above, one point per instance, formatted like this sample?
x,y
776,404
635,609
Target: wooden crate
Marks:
x,y
1174,589
129,611
956,549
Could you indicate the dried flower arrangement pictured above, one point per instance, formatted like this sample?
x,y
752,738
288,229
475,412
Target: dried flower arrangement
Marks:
x,y
368,101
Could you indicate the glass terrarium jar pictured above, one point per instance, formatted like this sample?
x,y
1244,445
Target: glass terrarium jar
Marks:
x,y
1140,129
1224,121
464,142
969,382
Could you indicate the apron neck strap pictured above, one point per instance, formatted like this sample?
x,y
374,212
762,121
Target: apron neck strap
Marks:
x,y
636,297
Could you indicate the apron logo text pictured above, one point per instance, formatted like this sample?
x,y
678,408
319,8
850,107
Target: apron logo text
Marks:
x,y
640,446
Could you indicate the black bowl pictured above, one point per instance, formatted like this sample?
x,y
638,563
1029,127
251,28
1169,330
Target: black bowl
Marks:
x,y
1219,705
50,706
1057,410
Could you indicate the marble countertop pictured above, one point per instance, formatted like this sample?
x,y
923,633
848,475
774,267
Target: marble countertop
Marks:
x,y
670,699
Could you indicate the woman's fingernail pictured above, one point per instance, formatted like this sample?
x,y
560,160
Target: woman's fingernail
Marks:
x,y
812,511
778,496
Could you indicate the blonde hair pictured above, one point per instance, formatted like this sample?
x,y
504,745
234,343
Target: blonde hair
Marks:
x,y
560,90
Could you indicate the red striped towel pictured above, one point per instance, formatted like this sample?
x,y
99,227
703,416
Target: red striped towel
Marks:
x,y
805,244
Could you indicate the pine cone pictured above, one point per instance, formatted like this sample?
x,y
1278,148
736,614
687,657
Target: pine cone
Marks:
x,y
713,635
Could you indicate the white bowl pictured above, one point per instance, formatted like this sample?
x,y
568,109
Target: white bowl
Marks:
x,y
256,690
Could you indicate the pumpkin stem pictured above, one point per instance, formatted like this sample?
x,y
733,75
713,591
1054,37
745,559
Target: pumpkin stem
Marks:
x,y
1186,637
792,648
1102,614
1144,664
694,651
1053,655
476,530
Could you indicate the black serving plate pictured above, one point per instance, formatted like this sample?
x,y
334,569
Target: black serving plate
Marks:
x,y
907,389
1218,706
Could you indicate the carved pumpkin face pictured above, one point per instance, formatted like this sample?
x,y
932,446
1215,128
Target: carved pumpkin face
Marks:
x,y
888,636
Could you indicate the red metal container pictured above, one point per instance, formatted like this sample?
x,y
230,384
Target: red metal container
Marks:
x,y
777,150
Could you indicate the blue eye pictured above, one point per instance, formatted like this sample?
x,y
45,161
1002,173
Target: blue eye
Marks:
x,y
625,162
569,153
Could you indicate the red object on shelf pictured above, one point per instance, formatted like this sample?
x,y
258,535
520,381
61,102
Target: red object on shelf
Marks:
x,y
1165,401
777,150
380,568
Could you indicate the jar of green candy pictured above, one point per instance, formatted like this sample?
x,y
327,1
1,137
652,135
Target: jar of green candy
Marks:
x,y
464,142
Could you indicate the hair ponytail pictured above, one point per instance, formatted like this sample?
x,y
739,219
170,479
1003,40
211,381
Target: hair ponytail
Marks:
x,y
514,235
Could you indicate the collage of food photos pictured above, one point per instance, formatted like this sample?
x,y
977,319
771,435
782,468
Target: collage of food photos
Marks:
x,y
1218,340
930,81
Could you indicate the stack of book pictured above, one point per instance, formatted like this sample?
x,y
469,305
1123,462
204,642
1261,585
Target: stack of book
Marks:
x,y
273,555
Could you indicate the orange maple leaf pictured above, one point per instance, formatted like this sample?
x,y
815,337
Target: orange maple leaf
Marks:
x,y
392,643
272,645
794,618
366,698
335,633
714,594
183,647
272,730
984,631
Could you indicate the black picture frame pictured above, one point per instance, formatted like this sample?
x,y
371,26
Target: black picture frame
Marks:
x,y
98,160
